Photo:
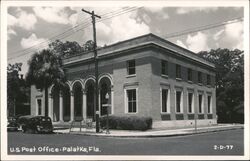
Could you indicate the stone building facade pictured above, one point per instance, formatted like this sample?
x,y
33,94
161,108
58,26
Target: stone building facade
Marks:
x,y
144,76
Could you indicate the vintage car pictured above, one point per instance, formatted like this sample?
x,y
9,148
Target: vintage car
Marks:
x,y
35,124
12,124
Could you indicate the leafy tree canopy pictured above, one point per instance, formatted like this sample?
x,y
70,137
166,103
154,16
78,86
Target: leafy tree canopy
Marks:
x,y
13,79
229,82
17,91
45,69
67,49
14,67
88,46
229,66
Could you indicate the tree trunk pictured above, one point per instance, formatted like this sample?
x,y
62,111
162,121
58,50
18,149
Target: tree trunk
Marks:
x,y
14,107
46,100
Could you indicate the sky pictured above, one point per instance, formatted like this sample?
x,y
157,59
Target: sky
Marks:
x,y
31,29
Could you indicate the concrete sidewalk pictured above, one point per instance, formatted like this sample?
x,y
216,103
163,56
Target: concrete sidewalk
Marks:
x,y
151,132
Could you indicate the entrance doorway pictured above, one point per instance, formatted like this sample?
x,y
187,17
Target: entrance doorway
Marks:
x,y
77,88
105,89
66,104
90,93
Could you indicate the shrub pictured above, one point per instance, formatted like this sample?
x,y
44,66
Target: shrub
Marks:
x,y
124,122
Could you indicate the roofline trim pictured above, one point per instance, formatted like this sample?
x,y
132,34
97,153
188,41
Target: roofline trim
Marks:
x,y
139,45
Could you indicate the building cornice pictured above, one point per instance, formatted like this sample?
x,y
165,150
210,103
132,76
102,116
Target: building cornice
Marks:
x,y
150,43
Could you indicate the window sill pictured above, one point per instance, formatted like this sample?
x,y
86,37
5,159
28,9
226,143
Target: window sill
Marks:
x,y
209,86
131,113
189,81
179,79
165,113
200,84
132,75
164,76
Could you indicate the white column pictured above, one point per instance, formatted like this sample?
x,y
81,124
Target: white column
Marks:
x,y
72,115
99,104
196,106
37,107
205,104
61,106
213,104
84,106
50,106
112,101
43,106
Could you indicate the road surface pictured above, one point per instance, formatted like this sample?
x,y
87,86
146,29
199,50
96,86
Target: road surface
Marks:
x,y
228,142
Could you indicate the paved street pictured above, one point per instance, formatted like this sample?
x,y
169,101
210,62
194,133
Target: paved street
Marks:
x,y
228,142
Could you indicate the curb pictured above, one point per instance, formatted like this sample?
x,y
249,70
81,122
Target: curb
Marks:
x,y
156,135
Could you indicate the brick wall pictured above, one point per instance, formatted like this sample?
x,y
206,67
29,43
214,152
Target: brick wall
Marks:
x,y
182,84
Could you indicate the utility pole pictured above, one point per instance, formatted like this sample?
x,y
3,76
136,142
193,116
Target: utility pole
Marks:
x,y
96,107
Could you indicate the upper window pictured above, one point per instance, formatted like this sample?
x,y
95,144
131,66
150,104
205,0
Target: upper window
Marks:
x,y
164,101
132,102
164,67
131,67
199,77
190,72
208,79
178,71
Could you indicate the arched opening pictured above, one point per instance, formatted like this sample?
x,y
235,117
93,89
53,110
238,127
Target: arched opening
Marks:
x,y
66,104
90,98
55,96
78,95
105,89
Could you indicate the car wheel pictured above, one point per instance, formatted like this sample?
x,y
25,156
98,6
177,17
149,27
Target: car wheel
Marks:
x,y
23,129
36,131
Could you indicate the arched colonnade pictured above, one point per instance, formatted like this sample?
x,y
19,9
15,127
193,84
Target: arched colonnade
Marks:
x,y
76,100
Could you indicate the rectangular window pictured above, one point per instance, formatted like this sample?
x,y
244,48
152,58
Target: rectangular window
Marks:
x,y
131,67
200,103
199,77
190,102
178,101
39,106
190,72
178,71
208,79
164,98
164,67
131,97
209,104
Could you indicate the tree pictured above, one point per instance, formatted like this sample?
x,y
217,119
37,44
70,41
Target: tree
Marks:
x,y
13,87
229,66
45,69
89,45
65,49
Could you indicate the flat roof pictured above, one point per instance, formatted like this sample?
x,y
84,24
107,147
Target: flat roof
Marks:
x,y
140,41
